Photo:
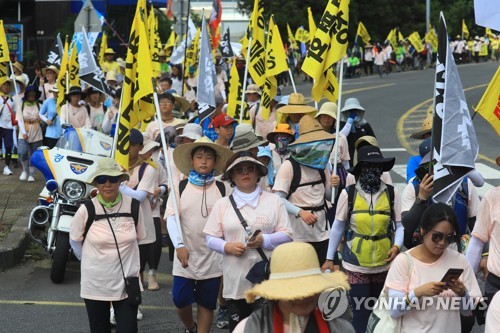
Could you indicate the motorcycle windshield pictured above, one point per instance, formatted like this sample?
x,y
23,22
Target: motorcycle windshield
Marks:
x,y
86,140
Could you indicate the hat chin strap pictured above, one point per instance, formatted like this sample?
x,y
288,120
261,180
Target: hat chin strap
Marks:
x,y
295,274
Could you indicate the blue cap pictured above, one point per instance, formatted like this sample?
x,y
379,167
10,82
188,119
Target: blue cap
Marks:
x,y
136,137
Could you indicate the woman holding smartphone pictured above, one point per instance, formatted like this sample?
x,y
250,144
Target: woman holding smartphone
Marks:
x,y
417,278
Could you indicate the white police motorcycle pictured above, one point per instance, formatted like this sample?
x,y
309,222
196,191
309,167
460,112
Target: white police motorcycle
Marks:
x,y
66,169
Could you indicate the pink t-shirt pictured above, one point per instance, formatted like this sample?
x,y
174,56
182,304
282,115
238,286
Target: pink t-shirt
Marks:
x,y
269,216
487,227
431,318
149,182
101,274
30,113
343,152
76,116
305,196
203,262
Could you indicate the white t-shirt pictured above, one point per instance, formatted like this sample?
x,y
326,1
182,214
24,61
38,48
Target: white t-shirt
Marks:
x,y
269,216
101,273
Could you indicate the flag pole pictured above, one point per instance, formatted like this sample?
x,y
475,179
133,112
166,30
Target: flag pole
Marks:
x,y
245,76
291,79
12,71
117,124
337,129
185,48
167,164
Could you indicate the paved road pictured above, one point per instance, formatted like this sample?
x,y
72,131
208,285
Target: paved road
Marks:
x,y
29,302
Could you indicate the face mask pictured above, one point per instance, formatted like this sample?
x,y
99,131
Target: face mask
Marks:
x,y
281,142
369,179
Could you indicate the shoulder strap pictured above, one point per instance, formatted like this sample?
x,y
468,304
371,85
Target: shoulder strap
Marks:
x,y
245,225
297,174
182,186
351,197
141,173
88,109
134,210
221,187
257,107
390,193
90,216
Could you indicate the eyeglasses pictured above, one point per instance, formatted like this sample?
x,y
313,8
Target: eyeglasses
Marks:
x,y
167,102
439,236
102,179
241,170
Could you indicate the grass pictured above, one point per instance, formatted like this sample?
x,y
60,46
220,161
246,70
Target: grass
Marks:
x,y
35,252
4,230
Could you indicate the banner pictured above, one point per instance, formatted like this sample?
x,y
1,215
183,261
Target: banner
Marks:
x,y
225,48
4,47
489,105
214,22
154,42
207,78
487,13
74,68
363,33
291,38
302,35
235,92
193,51
177,56
312,24
102,49
63,77
330,41
137,91
431,38
257,61
55,53
454,142
90,73
415,40
465,31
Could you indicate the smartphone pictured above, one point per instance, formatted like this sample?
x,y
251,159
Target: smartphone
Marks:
x,y
420,172
254,235
452,274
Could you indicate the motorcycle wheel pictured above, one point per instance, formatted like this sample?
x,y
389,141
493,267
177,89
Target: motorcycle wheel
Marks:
x,y
60,258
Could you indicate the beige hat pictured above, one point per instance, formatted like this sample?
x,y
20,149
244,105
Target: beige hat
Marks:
x,y
18,65
240,157
253,89
183,161
328,108
191,131
246,139
295,275
310,130
296,104
111,76
367,138
181,102
52,68
352,104
108,167
426,129
148,144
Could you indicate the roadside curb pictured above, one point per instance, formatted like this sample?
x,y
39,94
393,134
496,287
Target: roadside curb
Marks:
x,y
14,245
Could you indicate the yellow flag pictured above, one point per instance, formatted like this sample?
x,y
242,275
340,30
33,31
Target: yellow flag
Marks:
x,y
154,42
171,40
330,41
4,74
363,33
489,105
392,38
291,38
465,31
432,38
489,33
102,49
327,85
257,61
312,24
4,47
415,40
235,93
192,52
63,78
74,68
137,91
302,35
400,36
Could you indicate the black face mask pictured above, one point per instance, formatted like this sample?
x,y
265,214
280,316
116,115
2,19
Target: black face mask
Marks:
x,y
369,179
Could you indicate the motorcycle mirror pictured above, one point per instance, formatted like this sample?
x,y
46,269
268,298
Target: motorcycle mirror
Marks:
x,y
51,185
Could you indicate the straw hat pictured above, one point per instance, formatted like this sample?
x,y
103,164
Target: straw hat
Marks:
x,y
52,68
280,129
328,108
244,156
246,139
310,130
371,155
109,51
91,90
295,275
182,155
4,80
108,167
111,76
19,79
426,129
253,89
371,140
148,144
18,65
296,104
182,102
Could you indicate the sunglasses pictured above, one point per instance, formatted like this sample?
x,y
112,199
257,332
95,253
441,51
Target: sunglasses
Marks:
x,y
439,236
241,170
102,179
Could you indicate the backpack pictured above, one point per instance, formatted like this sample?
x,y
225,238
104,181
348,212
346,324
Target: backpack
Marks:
x,y
220,185
297,175
87,106
134,213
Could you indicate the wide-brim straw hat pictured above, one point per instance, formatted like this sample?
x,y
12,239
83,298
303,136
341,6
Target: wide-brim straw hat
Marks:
x,y
246,157
109,51
246,139
91,90
111,76
372,155
296,104
296,274
310,130
182,155
52,68
19,79
280,129
18,65
182,102
5,79
371,140
108,167
426,129
328,108
75,90
253,89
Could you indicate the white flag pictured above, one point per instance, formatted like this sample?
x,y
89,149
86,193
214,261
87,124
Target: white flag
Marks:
x,y
207,77
487,13
177,56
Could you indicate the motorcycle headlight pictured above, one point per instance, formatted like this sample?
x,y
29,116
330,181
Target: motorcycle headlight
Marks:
x,y
73,189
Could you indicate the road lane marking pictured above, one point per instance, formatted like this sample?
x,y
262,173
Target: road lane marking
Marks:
x,y
75,304
351,91
392,149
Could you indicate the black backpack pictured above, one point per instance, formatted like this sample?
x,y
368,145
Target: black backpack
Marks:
x,y
297,175
220,186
